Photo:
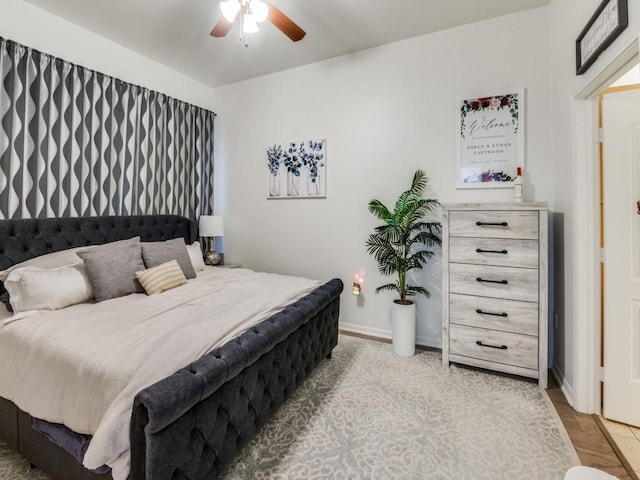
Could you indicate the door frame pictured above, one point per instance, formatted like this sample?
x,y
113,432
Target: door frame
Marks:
x,y
587,339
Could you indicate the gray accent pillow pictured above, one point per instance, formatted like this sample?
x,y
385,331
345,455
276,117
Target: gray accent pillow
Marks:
x,y
112,268
157,253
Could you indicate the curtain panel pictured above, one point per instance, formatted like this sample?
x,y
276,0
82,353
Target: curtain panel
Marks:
x,y
74,142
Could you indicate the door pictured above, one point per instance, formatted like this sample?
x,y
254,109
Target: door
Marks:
x,y
621,183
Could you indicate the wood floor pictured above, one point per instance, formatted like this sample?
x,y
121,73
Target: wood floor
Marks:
x,y
588,437
586,433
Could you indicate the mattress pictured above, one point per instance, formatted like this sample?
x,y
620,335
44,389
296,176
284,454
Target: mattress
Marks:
x,y
82,366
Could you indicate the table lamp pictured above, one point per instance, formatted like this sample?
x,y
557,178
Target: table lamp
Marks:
x,y
210,227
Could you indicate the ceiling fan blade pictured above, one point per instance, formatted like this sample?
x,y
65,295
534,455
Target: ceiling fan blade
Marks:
x,y
285,24
222,28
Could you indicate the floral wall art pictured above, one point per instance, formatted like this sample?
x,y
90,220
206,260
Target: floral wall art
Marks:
x,y
297,169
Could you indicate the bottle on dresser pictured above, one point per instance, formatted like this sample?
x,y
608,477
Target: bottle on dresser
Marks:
x,y
518,187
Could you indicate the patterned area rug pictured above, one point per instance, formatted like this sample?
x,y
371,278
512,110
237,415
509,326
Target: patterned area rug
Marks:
x,y
368,414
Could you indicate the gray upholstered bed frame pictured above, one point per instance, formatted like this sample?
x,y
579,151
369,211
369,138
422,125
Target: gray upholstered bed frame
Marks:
x,y
189,425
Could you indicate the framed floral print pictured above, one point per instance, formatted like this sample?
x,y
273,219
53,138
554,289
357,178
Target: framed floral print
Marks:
x,y
297,169
490,138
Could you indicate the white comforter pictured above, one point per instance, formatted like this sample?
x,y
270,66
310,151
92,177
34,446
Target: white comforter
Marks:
x,y
83,365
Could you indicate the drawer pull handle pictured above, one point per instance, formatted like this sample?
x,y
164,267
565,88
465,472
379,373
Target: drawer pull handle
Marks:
x,y
498,347
502,282
482,312
492,224
503,252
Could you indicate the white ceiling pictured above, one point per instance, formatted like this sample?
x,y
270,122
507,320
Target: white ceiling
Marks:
x,y
176,32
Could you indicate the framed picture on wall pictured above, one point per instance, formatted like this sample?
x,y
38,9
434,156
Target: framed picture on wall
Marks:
x,y
297,169
608,21
490,138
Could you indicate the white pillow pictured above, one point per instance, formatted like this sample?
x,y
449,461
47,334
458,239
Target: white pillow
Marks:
x,y
195,253
50,260
34,288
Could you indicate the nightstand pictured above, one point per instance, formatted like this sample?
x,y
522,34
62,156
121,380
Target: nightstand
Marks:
x,y
230,265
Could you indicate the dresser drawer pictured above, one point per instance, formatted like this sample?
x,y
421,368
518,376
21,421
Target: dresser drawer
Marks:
x,y
482,280
494,313
494,346
494,251
494,224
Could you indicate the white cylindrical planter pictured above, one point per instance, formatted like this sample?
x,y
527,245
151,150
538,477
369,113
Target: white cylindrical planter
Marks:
x,y
403,328
587,473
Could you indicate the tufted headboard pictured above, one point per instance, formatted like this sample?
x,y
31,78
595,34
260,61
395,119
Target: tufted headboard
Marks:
x,y
21,240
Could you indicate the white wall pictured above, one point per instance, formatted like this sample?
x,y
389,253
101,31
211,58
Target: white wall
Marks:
x,y
36,28
567,19
385,113
632,77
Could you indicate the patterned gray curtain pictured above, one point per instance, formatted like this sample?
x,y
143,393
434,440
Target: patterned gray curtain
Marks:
x,y
74,142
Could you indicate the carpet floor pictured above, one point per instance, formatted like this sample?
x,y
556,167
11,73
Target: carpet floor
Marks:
x,y
368,414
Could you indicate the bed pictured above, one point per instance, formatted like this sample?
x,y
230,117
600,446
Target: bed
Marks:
x,y
190,424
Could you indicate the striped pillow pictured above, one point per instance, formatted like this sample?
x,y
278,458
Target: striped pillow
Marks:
x,y
161,278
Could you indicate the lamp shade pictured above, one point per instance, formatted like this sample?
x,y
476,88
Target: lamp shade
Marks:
x,y
211,226
249,25
230,9
259,10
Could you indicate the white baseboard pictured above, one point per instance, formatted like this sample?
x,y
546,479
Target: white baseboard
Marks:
x,y
373,332
564,386
379,333
425,342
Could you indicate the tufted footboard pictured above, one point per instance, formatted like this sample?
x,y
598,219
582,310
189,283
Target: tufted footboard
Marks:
x,y
191,424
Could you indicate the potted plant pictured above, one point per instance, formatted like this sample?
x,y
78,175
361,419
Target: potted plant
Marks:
x,y
404,242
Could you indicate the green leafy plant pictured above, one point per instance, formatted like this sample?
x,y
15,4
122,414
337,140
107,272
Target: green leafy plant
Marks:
x,y
405,241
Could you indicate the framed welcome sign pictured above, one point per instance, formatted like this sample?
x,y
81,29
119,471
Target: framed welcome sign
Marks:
x,y
490,138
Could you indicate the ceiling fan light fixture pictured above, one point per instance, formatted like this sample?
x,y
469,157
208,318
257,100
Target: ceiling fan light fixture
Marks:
x,y
249,24
250,12
230,9
259,10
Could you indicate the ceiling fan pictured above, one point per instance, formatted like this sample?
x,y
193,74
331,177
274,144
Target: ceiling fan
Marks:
x,y
252,12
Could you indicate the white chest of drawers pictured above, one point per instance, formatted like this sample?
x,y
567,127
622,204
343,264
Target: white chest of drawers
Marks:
x,y
495,284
